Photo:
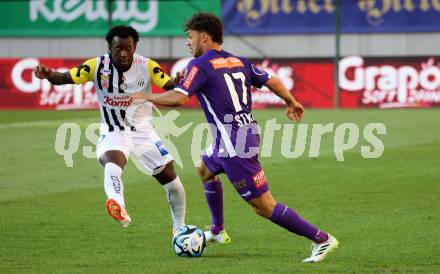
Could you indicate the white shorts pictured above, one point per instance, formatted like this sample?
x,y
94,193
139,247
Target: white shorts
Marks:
x,y
147,151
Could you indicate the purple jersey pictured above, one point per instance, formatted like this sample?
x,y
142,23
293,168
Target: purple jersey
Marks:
x,y
222,83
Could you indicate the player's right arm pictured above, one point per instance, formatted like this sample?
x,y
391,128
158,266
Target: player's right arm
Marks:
x,y
54,77
76,75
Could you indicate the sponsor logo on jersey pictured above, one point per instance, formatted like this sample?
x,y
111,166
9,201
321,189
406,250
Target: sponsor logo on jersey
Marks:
x,y
163,150
190,77
123,86
230,62
259,179
105,71
257,70
240,184
117,101
104,84
140,81
138,61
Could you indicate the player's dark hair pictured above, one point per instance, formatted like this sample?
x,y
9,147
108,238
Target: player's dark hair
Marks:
x,y
123,32
208,23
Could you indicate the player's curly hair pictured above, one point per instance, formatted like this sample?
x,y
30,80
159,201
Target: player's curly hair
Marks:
x,y
208,23
123,32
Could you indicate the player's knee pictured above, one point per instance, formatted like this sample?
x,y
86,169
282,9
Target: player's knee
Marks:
x,y
264,209
165,173
201,171
113,156
204,173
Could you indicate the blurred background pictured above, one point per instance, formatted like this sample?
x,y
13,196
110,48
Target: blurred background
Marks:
x,y
385,51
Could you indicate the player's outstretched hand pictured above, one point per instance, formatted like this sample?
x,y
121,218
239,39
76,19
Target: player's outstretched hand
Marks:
x,y
42,72
178,77
139,97
295,111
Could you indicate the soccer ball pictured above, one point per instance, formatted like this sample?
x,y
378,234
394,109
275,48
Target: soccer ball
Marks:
x,y
189,241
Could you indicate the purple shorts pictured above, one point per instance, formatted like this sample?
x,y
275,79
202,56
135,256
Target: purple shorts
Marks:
x,y
245,174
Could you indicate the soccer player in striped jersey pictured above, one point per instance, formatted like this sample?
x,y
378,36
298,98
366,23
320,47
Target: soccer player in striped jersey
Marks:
x,y
222,83
116,76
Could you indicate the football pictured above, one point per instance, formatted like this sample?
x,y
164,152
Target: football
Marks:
x,y
189,241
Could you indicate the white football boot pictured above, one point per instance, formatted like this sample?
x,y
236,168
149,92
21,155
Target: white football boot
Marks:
x,y
221,238
320,251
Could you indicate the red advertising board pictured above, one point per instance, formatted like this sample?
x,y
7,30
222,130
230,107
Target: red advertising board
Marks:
x,y
20,89
385,82
310,81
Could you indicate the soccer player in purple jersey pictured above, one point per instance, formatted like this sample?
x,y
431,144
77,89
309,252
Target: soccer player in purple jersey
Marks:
x,y
222,83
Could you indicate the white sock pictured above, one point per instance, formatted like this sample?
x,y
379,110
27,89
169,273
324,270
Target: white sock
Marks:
x,y
113,183
177,199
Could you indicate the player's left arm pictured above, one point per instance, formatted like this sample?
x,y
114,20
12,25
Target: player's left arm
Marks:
x,y
294,109
160,78
259,78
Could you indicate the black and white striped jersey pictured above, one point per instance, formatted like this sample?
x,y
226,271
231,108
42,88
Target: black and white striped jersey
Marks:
x,y
113,89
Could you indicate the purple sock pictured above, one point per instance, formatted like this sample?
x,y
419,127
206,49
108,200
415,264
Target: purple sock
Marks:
x,y
214,197
287,218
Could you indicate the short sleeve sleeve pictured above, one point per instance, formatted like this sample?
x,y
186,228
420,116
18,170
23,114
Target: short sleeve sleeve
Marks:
x,y
158,77
84,72
258,77
193,79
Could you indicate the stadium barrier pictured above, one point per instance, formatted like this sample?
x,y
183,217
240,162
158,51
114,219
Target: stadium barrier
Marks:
x,y
364,83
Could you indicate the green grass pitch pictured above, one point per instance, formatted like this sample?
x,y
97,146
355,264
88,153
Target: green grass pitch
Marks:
x,y
385,212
